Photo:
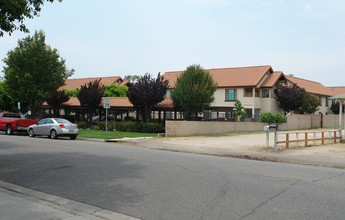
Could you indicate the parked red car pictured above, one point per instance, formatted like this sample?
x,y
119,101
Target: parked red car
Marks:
x,y
11,122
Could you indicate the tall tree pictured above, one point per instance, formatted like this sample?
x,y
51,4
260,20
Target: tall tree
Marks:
x,y
290,98
146,93
90,96
193,92
34,71
310,105
56,100
114,90
239,111
7,103
14,12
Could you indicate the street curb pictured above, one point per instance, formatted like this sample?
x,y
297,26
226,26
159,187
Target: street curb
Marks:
x,y
75,208
111,140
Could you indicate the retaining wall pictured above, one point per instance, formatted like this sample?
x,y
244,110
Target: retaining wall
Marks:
x,y
294,122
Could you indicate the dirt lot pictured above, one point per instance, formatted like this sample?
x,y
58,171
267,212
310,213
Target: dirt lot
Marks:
x,y
250,146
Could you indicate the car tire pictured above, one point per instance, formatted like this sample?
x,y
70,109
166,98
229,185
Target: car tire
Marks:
x,y
9,130
31,132
73,137
53,134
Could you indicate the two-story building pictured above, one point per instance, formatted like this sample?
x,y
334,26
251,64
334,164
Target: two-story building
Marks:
x,y
254,87
315,89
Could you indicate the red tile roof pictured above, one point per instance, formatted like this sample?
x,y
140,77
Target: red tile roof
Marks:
x,y
309,86
272,79
229,77
336,90
77,83
118,102
124,82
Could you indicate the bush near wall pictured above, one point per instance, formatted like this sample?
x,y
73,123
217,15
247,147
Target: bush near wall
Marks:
x,y
272,118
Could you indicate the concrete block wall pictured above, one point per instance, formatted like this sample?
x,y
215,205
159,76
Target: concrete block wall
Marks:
x,y
294,122
191,128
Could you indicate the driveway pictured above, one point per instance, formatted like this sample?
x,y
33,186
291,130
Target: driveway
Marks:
x,y
250,146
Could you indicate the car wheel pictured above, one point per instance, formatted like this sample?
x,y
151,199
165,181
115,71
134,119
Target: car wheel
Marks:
x,y
73,137
53,134
31,132
9,130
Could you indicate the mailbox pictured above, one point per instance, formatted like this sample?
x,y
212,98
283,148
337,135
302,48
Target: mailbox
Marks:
x,y
271,128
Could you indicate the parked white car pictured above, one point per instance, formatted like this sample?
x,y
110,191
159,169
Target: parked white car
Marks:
x,y
54,127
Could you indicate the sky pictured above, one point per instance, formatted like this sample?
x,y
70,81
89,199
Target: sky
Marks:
x,y
305,38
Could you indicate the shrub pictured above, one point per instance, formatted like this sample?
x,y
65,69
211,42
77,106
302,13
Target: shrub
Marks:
x,y
101,125
152,128
272,117
83,125
94,127
130,126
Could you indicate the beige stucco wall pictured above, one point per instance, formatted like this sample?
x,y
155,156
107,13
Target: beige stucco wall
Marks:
x,y
264,104
294,122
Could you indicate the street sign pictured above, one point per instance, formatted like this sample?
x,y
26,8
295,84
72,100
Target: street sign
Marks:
x,y
106,102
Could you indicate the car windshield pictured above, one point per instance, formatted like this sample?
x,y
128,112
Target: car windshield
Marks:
x,y
62,121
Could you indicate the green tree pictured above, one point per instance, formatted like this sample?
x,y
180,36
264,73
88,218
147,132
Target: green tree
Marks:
x,y
90,96
14,12
239,111
56,100
310,105
114,90
34,71
146,93
193,92
290,98
72,92
7,103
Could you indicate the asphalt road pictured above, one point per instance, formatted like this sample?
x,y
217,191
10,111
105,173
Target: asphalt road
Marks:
x,y
151,184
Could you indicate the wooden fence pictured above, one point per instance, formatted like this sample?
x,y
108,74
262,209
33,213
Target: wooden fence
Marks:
x,y
306,137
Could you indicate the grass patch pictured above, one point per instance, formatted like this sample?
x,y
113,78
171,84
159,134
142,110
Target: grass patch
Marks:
x,y
112,134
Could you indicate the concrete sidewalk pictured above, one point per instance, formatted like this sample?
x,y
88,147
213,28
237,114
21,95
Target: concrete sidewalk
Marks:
x,y
251,146
17,202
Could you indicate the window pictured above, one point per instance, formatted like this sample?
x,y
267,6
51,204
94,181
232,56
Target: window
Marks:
x,y
248,92
8,116
64,121
257,93
230,115
42,122
265,93
49,121
327,102
230,95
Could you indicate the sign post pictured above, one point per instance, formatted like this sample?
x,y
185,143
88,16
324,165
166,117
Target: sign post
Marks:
x,y
19,107
106,105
